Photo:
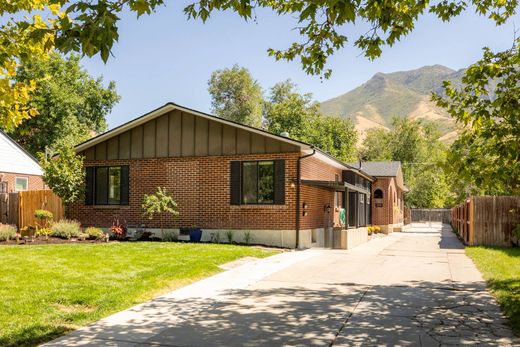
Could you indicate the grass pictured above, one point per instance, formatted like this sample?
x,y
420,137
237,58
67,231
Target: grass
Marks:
x,y
49,290
501,269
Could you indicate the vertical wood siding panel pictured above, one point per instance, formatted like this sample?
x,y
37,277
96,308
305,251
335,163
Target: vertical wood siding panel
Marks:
x,y
175,134
161,140
101,151
113,148
271,145
215,138
124,145
201,136
257,143
149,139
286,147
137,142
89,153
188,135
243,142
229,140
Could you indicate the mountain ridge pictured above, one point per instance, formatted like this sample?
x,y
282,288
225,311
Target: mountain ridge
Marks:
x,y
405,94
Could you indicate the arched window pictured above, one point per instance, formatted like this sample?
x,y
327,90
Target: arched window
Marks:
x,y
378,194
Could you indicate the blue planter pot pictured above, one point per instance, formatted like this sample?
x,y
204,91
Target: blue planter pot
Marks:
x,y
195,234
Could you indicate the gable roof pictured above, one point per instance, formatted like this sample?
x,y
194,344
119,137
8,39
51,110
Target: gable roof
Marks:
x,y
15,159
170,106
381,168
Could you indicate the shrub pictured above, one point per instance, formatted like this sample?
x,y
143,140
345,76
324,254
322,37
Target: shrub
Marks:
x,y
248,237
44,217
43,232
66,229
95,233
169,236
28,231
215,237
7,232
119,229
230,235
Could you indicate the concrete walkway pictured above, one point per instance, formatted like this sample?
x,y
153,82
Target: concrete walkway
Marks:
x,y
416,288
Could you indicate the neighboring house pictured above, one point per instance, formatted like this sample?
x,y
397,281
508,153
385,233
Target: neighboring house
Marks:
x,y
387,194
224,176
19,171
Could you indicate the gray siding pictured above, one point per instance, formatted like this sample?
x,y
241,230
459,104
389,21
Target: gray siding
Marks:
x,y
182,134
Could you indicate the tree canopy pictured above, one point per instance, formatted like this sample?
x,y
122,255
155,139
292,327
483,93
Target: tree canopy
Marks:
x,y
91,28
286,110
485,158
422,155
71,103
236,96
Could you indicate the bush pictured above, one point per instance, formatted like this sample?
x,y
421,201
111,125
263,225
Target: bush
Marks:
x,y
44,217
95,233
119,229
248,237
169,236
66,229
7,232
230,235
43,232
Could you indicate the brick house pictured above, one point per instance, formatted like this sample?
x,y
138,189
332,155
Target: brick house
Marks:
x,y
224,176
387,194
19,171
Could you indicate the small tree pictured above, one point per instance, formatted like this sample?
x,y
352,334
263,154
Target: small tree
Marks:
x,y
44,218
159,203
63,172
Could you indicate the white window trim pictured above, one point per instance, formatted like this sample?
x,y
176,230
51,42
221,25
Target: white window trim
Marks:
x,y
16,185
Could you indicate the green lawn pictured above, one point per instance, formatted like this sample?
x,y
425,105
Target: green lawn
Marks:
x,y
49,290
501,269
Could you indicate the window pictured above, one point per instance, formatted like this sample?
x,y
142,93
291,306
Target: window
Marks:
x,y
21,184
107,185
378,194
258,182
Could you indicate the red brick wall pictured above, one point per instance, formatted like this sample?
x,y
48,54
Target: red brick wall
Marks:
x,y
200,185
317,198
35,182
392,197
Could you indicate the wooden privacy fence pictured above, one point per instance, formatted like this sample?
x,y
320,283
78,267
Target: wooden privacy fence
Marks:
x,y
442,215
487,220
18,208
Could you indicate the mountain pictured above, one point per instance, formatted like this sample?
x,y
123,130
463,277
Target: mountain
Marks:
x,y
401,94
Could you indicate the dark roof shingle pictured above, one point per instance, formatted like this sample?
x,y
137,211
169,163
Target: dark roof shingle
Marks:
x,y
379,168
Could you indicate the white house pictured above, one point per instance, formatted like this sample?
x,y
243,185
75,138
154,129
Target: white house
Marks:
x,y
19,170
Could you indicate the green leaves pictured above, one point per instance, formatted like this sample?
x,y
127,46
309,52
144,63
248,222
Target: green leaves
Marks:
x,y
236,96
486,156
287,110
72,103
64,174
159,202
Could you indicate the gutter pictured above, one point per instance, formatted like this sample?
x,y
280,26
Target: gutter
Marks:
x,y
298,185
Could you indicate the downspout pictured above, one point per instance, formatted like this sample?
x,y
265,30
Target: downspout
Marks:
x,y
298,184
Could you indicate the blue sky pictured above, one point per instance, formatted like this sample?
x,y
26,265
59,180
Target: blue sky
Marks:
x,y
164,57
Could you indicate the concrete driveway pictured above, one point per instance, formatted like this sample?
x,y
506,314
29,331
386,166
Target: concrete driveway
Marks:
x,y
414,288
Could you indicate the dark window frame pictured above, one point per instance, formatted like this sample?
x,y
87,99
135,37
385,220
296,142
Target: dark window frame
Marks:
x,y
94,190
242,163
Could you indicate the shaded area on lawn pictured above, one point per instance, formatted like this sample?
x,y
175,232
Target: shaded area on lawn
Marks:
x,y
500,267
49,290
